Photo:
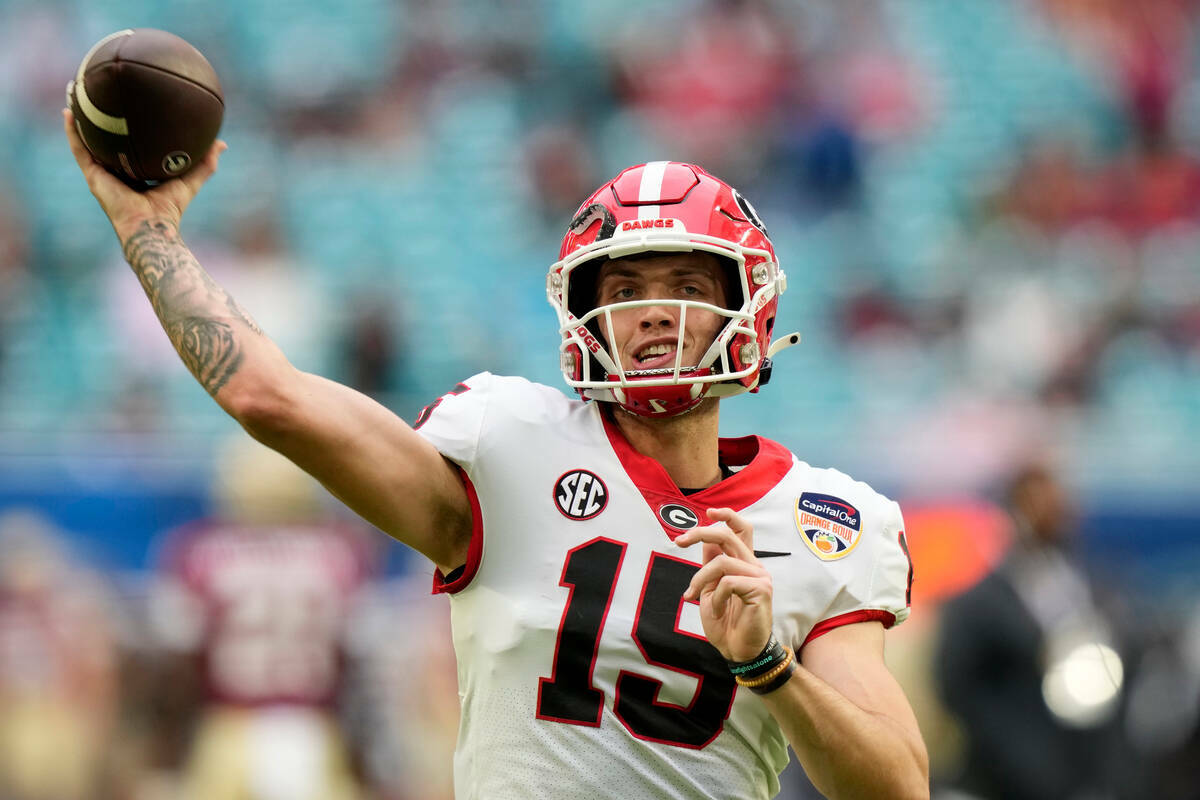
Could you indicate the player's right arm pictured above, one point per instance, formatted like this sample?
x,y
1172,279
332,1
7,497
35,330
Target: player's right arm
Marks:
x,y
363,453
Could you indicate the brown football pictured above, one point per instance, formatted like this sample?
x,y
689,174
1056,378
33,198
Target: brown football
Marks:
x,y
147,104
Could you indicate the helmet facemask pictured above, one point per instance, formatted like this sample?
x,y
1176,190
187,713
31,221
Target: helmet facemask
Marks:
x,y
608,228
588,328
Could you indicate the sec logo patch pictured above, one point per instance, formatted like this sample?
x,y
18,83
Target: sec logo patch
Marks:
x,y
830,526
580,494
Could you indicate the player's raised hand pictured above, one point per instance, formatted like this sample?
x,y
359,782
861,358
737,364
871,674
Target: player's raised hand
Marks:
x,y
127,208
734,590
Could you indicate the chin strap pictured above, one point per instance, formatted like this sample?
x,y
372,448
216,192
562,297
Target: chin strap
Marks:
x,y
785,342
764,372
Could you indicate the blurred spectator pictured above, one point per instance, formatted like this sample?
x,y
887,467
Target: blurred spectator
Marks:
x,y
1164,715
37,49
58,668
1150,185
820,157
371,354
1094,249
1145,186
562,170
1147,48
260,266
870,310
257,601
857,71
1050,186
14,275
712,88
851,92
1028,661
829,163
265,270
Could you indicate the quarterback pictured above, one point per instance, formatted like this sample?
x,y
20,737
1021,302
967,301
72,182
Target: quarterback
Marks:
x,y
640,608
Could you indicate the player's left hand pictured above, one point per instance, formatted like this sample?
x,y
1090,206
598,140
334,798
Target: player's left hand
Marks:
x,y
733,588
126,208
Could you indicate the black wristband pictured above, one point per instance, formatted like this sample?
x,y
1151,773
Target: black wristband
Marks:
x,y
777,682
772,654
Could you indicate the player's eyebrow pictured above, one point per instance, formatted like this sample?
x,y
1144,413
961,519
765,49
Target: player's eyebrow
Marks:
x,y
681,271
694,272
619,271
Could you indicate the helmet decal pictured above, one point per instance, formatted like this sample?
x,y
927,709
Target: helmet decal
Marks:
x,y
584,219
749,211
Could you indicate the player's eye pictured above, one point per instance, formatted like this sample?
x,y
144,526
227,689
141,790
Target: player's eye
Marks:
x,y
696,291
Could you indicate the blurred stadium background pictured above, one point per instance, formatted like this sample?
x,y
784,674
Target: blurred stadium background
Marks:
x,y
988,210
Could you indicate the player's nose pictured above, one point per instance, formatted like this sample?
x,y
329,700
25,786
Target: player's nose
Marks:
x,y
658,315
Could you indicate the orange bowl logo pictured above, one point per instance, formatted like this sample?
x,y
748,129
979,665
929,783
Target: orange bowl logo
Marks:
x,y
828,546
829,525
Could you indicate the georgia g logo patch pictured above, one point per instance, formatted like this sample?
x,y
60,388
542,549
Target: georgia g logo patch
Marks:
x,y
679,517
580,494
830,526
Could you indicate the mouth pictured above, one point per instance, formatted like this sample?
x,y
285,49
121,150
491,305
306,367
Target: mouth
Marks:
x,y
655,356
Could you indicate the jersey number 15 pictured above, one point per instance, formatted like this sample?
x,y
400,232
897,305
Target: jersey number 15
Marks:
x,y
568,695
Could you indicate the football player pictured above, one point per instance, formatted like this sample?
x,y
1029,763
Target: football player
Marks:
x,y
253,606
640,609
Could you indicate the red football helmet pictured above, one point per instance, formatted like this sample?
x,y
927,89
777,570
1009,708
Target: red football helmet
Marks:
x,y
666,206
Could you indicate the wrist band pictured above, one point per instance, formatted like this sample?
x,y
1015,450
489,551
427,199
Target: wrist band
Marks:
x,y
772,654
773,678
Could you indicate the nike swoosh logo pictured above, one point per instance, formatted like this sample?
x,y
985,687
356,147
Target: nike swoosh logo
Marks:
x,y
769,553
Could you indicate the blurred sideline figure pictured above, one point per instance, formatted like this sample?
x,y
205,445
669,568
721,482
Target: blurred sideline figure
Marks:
x,y
58,668
1028,662
258,599
1163,721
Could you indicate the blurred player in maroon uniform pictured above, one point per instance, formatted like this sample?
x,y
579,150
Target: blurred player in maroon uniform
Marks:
x,y
261,598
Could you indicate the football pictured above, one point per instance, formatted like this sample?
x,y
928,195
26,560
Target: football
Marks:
x,y
147,104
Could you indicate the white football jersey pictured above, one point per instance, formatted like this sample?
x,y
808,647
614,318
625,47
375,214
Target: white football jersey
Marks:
x,y
582,672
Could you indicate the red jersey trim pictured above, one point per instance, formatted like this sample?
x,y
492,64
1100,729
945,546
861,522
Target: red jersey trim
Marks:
x,y
849,618
474,549
764,464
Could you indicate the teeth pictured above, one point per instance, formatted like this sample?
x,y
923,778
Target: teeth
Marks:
x,y
655,350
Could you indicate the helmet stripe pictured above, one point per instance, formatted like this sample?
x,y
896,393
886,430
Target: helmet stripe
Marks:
x,y
650,189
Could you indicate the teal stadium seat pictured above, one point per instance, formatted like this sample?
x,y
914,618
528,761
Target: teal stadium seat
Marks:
x,y
300,52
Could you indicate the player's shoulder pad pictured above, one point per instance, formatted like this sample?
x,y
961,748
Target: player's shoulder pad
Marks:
x,y
456,421
842,506
839,485
839,514
520,398
501,394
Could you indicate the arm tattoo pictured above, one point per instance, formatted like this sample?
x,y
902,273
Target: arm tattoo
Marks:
x,y
204,323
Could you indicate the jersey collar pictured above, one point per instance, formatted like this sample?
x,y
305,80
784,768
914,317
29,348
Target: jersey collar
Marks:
x,y
763,464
